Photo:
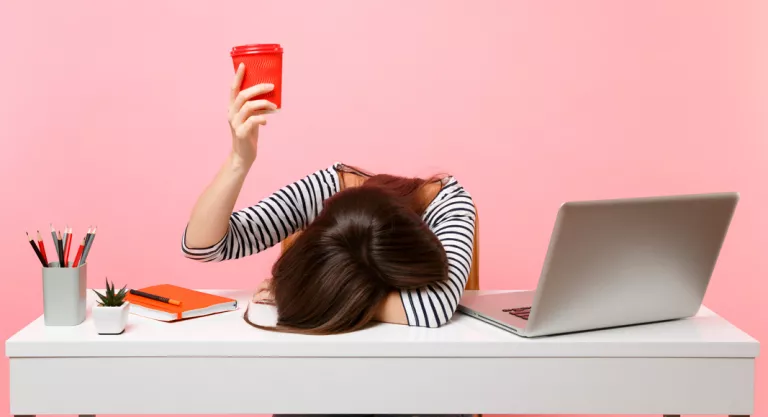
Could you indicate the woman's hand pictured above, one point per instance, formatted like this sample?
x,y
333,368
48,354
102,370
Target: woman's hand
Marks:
x,y
263,294
246,116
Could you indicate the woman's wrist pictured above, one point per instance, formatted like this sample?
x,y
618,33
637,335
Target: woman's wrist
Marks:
x,y
238,164
391,309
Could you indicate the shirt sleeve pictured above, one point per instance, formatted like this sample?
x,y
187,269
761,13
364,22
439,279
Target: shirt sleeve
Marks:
x,y
452,220
271,220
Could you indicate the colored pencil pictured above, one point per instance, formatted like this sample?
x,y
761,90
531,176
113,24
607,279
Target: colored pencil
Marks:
x,y
55,243
88,237
67,245
61,248
37,251
79,254
42,247
64,245
65,233
88,245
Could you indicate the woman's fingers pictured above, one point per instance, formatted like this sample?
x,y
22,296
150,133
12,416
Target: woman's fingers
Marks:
x,y
244,95
264,285
263,297
255,107
236,83
245,129
263,292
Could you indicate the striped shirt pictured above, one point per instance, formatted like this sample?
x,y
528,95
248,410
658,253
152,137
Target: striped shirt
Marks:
x,y
450,216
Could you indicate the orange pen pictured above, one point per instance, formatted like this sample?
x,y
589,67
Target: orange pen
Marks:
x,y
155,297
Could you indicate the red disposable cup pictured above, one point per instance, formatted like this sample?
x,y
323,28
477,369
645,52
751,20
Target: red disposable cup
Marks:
x,y
263,64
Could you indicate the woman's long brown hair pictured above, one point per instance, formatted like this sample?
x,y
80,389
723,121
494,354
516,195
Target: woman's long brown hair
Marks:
x,y
367,242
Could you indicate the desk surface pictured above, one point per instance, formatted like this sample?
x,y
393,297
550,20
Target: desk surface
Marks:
x,y
701,365
227,335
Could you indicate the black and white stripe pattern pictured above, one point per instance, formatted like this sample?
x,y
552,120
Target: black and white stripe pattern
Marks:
x,y
257,228
451,216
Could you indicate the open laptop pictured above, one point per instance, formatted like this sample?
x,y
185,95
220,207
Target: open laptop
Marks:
x,y
618,262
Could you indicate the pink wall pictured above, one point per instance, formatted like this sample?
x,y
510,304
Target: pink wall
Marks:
x,y
113,113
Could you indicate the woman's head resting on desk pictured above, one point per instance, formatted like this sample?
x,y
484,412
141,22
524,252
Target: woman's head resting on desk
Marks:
x,y
367,242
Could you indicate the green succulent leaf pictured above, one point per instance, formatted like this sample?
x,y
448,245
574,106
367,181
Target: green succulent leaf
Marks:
x,y
101,297
110,298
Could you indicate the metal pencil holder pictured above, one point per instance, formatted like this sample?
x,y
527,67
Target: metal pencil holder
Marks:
x,y
64,292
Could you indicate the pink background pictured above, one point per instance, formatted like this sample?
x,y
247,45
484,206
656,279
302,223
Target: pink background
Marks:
x,y
114,114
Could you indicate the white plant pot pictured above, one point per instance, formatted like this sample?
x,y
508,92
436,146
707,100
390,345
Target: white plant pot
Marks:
x,y
111,320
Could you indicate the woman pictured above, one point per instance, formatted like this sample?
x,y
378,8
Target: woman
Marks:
x,y
371,248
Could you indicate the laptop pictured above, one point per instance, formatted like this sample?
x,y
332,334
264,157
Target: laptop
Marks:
x,y
613,263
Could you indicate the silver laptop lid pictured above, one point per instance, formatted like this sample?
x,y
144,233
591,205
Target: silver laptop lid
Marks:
x,y
619,262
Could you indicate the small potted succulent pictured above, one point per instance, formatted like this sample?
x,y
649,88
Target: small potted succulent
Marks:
x,y
110,314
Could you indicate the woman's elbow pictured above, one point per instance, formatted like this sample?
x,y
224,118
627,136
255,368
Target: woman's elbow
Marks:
x,y
441,323
205,254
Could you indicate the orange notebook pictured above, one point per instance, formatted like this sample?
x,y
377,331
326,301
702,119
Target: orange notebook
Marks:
x,y
193,303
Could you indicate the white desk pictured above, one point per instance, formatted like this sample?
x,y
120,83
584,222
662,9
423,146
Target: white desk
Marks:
x,y
220,365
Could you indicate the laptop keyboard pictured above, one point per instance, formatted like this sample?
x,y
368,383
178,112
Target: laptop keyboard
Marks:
x,y
521,312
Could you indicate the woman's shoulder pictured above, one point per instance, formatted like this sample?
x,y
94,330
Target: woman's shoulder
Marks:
x,y
452,186
451,192
351,169
341,167
448,185
348,175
